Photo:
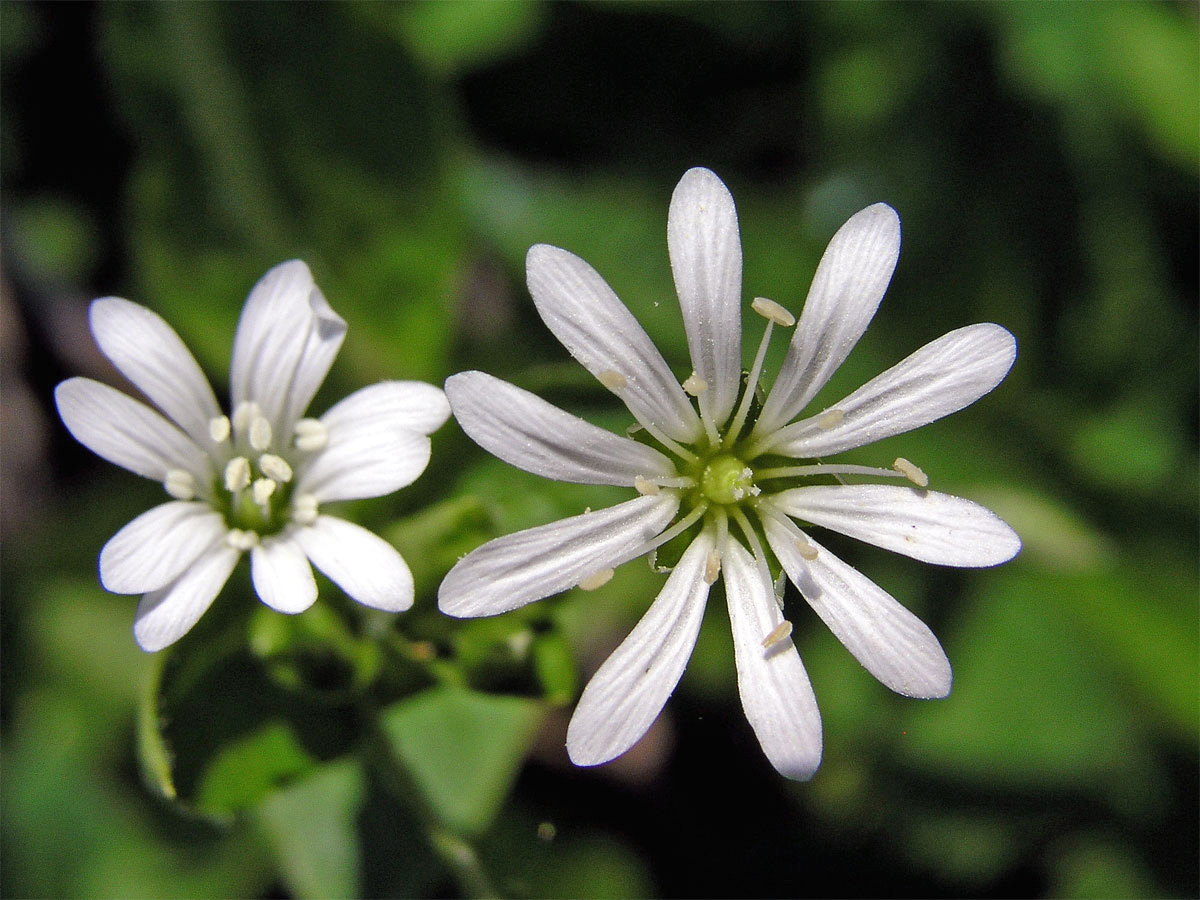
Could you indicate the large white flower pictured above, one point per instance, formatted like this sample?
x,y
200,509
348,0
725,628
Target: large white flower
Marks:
x,y
256,480
718,471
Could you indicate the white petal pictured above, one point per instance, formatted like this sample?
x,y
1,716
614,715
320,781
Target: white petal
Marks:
x,y
376,441
776,694
526,431
411,405
166,615
519,568
126,432
942,377
890,642
364,461
149,353
627,693
926,525
849,283
706,260
282,576
286,340
157,546
586,316
361,563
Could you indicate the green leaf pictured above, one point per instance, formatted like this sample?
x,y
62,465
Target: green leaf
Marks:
x,y
463,750
246,769
1033,703
311,824
218,728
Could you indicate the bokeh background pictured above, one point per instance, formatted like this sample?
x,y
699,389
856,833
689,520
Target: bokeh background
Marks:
x,y
1043,158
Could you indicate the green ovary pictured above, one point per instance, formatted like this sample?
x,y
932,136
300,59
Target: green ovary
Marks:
x,y
727,480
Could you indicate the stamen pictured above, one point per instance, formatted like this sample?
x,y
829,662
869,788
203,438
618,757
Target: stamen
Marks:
x,y
780,586
275,467
645,486
218,428
241,540
596,580
246,411
773,311
614,381
678,481
695,385
806,550
674,531
825,469
830,418
180,484
779,634
262,490
671,445
237,474
739,419
911,472
311,434
712,567
519,643
260,434
304,509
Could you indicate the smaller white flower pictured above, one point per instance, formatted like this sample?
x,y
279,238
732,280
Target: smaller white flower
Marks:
x,y
727,474
257,479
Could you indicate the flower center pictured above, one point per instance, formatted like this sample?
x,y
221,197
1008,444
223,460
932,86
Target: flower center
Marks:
x,y
255,490
726,479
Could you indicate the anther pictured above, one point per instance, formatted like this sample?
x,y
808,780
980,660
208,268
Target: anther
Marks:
x,y
246,411
241,540
712,567
779,633
614,381
262,490
304,509
218,428
695,385
771,310
596,580
237,473
806,550
645,486
260,434
275,467
311,434
180,484
830,418
911,472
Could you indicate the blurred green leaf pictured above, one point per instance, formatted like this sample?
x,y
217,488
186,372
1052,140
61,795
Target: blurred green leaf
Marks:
x,y
457,34
432,540
1033,705
53,241
1142,57
217,707
312,826
57,793
463,750
555,667
1093,867
244,771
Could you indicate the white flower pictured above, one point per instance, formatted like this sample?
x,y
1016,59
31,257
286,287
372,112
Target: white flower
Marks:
x,y
255,480
722,471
